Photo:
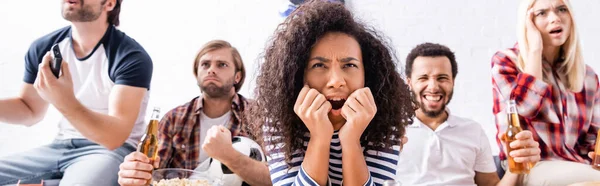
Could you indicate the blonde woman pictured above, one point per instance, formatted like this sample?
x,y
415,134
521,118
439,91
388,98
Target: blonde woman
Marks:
x,y
557,95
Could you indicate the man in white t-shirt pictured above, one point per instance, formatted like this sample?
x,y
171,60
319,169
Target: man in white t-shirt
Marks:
x,y
191,133
101,92
445,149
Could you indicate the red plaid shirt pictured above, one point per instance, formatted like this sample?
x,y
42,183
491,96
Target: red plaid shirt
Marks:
x,y
564,123
179,132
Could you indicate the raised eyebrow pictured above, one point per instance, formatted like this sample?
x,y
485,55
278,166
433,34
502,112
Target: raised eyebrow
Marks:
x,y
561,6
541,10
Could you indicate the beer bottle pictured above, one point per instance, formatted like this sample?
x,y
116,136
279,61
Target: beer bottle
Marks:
x,y
596,160
514,127
149,142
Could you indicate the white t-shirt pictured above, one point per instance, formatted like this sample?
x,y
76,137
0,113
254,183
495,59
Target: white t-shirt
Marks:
x,y
450,155
205,124
117,59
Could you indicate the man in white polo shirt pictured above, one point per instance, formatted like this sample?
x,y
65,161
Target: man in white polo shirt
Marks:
x,y
445,149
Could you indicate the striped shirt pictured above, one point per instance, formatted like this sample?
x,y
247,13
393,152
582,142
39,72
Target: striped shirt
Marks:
x,y
563,122
381,165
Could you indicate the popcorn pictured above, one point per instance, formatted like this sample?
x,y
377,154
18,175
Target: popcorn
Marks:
x,y
180,182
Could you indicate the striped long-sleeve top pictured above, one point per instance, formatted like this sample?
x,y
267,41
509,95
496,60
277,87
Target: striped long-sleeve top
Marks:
x,y
381,165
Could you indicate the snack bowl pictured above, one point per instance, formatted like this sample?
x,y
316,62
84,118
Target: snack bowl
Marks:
x,y
182,177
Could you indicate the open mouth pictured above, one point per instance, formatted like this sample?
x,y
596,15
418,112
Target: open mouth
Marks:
x,y
556,31
337,103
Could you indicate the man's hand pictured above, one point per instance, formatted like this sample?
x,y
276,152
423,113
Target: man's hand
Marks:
x,y
217,143
56,91
136,169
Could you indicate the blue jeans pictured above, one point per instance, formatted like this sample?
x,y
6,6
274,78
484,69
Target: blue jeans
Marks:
x,y
74,161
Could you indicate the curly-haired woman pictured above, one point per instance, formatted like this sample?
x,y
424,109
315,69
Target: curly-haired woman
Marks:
x,y
329,88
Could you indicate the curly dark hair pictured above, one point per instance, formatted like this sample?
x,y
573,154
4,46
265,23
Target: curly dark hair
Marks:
x,y
282,71
431,50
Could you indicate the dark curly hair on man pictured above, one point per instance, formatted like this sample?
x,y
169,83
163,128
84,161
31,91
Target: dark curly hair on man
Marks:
x,y
430,50
281,74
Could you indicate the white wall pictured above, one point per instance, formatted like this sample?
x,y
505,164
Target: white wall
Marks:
x,y
173,32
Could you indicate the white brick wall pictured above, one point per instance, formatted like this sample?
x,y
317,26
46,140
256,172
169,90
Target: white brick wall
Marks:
x,y
173,32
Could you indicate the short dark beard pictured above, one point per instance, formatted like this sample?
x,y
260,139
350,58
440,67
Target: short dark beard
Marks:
x,y
85,14
216,92
432,113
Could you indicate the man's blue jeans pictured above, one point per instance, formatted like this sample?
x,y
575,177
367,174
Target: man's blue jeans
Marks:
x,y
74,161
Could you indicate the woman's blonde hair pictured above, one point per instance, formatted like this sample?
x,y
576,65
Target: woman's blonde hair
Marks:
x,y
573,67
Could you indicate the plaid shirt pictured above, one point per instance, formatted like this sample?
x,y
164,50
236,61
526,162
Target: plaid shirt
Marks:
x,y
563,122
179,132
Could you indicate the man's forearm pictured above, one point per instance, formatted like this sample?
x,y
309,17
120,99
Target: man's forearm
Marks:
x,y
16,111
251,171
108,131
